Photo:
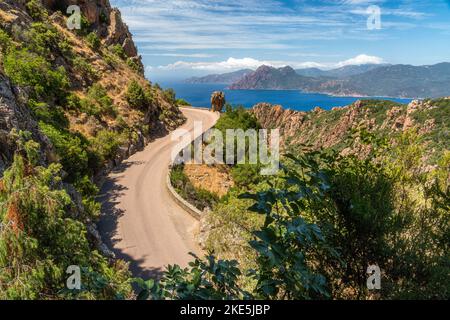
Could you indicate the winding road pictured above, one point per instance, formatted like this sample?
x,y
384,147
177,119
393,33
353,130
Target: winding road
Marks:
x,y
140,221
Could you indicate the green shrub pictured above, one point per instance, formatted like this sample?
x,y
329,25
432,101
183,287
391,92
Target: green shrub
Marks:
x,y
99,94
170,95
28,69
72,102
182,102
90,107
40,236
85,26
93,41
110,59
83,67
103,18
133,65
118,50
43,38
237,118
136,96
48,114
106,144
36,10
98,102
71,149
5,41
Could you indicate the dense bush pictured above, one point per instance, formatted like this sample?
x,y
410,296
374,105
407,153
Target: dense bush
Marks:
x,y
28,69
134,65
39,240
72,150
93,41
204,280
182,102
85,26
106,143
43,39
36,10
5,41
48,114
118,50
170,95
237,118
137,97
82,66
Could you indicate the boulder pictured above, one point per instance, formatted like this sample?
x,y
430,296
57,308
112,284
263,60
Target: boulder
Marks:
x,y
217,101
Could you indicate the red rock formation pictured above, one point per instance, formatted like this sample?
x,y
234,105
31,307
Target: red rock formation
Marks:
x,y
217,101
113,30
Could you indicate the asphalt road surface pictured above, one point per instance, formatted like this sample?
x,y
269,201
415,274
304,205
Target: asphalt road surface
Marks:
x,y
140,222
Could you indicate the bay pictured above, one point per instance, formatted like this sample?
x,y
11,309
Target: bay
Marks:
x,y
199,95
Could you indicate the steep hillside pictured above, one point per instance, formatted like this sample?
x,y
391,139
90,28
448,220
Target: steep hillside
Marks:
x,y
73,104
97,65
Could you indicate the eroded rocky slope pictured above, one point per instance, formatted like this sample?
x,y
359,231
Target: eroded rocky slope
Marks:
x,y
112,65
334,128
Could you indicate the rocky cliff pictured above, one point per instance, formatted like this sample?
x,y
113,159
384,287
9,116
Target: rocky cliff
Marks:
x,y
333,129
107,22
14,117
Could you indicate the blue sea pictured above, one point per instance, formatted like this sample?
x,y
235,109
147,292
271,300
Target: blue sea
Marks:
x,y
199,95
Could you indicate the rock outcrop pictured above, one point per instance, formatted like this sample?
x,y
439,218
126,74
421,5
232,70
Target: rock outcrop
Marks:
x,y
15,117
319,128
217,101
107,22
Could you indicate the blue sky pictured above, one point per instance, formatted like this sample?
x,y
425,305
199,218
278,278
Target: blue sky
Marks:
x,y
180,38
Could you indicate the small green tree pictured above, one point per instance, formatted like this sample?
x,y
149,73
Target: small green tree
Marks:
x,y
170,95
93,41
118,50
136,96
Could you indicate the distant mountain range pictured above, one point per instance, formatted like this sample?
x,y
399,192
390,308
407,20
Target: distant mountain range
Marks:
x,y
403,81
266,77
341,72
225,78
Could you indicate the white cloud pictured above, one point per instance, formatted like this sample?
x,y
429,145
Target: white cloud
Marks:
x,y
233,64
359,60
237,24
